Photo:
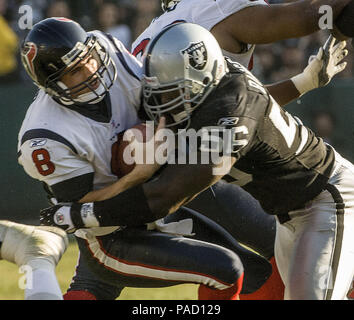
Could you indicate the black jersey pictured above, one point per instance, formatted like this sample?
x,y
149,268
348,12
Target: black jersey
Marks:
x,y
279,161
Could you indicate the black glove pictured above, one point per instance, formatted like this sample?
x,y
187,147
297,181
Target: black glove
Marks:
x,y
63,216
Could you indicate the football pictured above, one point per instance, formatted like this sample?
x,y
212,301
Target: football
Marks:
x,y
344,23
122,161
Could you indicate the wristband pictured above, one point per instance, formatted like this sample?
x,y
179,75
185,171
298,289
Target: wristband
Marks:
x,y
308,79
75,214
83,216
304,82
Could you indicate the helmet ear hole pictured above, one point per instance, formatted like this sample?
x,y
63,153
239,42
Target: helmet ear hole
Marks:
x,y
206,80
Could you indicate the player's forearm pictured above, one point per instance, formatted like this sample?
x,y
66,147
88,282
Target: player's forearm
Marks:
x,y
177,185
309,13
130,180
281,21
129,208
283,92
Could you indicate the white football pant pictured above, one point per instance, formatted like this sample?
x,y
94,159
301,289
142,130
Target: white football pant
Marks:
x,y
314,251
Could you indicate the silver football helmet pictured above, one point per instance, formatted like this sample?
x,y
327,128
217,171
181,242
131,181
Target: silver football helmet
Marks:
x,y
183,64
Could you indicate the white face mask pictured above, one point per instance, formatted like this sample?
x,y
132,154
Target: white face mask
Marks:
x,y
93,97
100,93
85,97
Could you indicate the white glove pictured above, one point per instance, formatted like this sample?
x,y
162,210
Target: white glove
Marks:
x,y
322,67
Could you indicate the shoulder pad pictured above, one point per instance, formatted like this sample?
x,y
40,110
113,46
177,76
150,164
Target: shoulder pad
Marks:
x,y
235,67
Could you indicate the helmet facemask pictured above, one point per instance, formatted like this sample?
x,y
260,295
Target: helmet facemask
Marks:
x,y
106,74
183,97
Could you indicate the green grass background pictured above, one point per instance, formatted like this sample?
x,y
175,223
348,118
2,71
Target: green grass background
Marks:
x,y
9,278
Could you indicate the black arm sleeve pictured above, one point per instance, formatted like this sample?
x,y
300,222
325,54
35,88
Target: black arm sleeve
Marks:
x,y
129,208
73,189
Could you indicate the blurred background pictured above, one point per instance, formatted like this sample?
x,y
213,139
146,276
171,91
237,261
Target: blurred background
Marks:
x,y
328,111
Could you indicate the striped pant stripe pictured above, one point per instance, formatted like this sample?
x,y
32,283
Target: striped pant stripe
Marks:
x,y
134,269
339,235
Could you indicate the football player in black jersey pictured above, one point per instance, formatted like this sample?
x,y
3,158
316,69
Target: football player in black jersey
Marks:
x,y
294,175
237,26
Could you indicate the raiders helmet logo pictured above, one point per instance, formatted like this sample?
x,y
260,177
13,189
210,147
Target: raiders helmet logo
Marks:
x,y
197,55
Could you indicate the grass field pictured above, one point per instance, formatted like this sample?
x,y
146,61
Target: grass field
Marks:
x,y
10,276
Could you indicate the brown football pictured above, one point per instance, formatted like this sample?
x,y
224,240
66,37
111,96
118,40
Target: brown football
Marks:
x,y
120,164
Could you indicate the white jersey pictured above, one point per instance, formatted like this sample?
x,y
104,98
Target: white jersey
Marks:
x,y
206,13
56,143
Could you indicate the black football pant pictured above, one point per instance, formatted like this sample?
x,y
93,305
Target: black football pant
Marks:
x,y
135,257
240,214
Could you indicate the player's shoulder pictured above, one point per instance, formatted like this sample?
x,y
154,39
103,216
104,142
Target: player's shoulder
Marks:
x,y
239,81
245,79
101,35
42,107
239,94
47,127
110,43
45,118
128,66
41,110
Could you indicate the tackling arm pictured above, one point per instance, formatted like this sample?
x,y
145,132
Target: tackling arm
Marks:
x,y
274,22
179,184
176,186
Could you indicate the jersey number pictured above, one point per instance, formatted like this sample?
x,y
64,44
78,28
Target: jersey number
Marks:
x,y
41,159
287,130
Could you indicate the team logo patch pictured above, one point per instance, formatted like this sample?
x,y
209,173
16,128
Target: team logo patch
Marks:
x,y
197,54
29,54
87,210
59,218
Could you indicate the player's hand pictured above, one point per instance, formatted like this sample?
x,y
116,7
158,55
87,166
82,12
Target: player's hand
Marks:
x,y
156,159
323,67
330,59
58,216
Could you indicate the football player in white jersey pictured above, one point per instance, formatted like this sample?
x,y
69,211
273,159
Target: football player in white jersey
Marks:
x,y
238,25
36,251
90,92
